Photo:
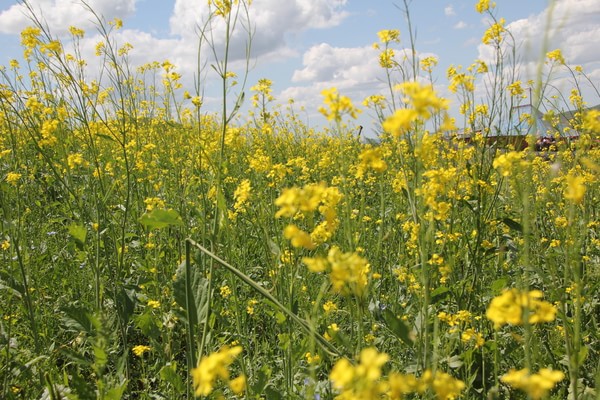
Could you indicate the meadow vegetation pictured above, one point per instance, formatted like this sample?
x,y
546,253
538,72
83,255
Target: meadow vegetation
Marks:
x,y
151,249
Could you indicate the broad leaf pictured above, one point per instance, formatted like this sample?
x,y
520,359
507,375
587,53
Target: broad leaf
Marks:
x,y
158,219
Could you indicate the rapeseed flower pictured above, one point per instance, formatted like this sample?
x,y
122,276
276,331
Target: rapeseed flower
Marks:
x,y
12,178
337,106
238,385
444,385
363,380
556,56
515,88
401,384
505,163
494,32
348,272
389,35
535,385
386,58
575,188
213,367
483,6
140,349
370,158
298,237
513,305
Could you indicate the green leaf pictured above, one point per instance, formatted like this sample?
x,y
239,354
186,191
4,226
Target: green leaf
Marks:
x,y
82,387
7,282
147,323
168,374
397,326
125,304
78,319
158,219
116,393
191,294
78,234
439,294
100,356
512,224
280,317
498,285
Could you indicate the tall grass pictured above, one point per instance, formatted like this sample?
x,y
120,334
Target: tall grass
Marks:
x,y
151,249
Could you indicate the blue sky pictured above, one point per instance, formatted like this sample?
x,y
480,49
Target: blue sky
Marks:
x,y
305,46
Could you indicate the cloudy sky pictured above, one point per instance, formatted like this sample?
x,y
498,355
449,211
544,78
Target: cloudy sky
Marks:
x,y
305,46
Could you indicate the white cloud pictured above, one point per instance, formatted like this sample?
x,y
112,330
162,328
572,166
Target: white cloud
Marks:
x,y
573,27
60,14
326,63
354,71
449,11
460,25
271,21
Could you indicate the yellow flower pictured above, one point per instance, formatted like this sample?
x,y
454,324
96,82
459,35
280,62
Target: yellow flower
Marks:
x,y
312,358
515,88
74,160
471,335
337,106
556,55
400,122
12,178
591,121
76,32
298,237
401,384
342,373
222,7
506,162
510,307
238,385
389,35
250,306
370,158
347,271
153,303
535,385
212,367
329,307
117,23
483,6
386,58
446,387
5,245
494,32
363,380
293,200
241,196
428,63
575,189
154,202
140,349
225,291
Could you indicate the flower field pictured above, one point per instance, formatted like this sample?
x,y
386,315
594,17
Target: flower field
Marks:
x,y
152,249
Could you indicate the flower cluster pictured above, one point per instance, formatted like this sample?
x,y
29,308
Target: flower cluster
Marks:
x,y
299,203
513,306
348,272
216,366
337,106
364,381
537,385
